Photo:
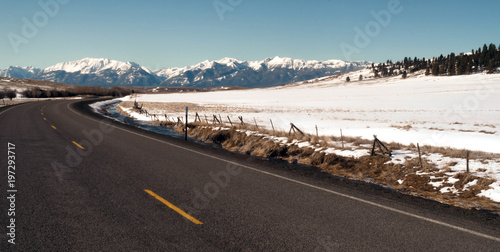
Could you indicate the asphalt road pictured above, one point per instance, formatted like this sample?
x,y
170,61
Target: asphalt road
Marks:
x,y
87,184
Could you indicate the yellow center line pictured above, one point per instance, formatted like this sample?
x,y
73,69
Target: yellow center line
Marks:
x,y
54,127
79,146
173,207
45,119
42,113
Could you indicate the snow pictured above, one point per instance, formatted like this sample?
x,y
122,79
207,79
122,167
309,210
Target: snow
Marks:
x,y
270,63
92,65
460,112
19,72
400,156
348,153
96,106
436,184
472,183
493,193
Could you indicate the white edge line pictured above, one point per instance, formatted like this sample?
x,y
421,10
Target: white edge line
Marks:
x,y
9,109
308,185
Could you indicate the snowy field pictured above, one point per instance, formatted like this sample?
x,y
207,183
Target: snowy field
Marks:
x,y
461,112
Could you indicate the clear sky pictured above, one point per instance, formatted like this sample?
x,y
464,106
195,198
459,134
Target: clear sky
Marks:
x,y
167,33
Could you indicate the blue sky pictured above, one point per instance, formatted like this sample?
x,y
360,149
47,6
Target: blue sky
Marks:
x,y
165,33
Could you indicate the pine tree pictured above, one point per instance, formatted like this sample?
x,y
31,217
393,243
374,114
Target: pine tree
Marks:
x,y
435,69
459,67
347,79
491,67
360,77
404,75
427,72
451,64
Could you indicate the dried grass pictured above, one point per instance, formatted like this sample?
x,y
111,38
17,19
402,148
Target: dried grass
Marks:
x,y
374,169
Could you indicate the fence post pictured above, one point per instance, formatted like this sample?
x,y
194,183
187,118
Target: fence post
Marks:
x,y
255,121
467,161
272,125
186,128
342,138
317,135
420,157
373,148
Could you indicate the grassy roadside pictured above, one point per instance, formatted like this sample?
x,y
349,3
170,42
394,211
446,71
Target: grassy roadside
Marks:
x,y
408,176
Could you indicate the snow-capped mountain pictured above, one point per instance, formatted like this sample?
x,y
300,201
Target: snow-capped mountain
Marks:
x,y
224,72
99,72
19,72
269,72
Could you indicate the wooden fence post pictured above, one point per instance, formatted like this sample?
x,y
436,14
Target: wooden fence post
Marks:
x,y
467,161
381,147
186,127
229,119
342,138
216,120
294,128
420,157
272,125
373,147
241,119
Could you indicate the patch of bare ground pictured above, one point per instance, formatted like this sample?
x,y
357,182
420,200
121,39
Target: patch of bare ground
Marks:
x,y
410,177
456,153
402,127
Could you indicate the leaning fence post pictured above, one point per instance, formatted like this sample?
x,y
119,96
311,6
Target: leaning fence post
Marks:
x,y
256,126
241,119
316,131
272,125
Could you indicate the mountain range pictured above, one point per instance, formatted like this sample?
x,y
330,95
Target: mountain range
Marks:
x,y
225,72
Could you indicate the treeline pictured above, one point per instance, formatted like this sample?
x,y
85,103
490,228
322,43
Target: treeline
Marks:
x,y
7,93
483,59
37,92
